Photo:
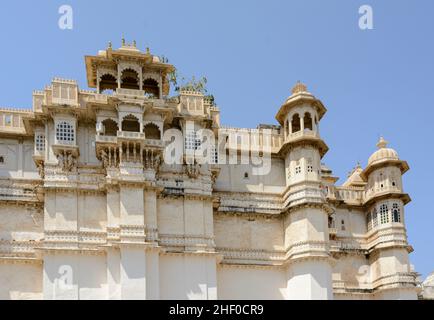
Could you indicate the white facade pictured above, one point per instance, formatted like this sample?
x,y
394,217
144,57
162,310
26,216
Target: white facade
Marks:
x,y
90,210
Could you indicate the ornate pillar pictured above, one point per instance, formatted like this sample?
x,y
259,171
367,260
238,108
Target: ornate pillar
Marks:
x,y
119,76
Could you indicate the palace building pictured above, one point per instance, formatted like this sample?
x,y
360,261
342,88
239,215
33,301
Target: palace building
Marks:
x,y
90,209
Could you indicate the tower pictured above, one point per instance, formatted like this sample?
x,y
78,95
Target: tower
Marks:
x,y
306,212
388,249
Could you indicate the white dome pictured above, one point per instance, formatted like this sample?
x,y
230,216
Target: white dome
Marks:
x,y
429,281
383,153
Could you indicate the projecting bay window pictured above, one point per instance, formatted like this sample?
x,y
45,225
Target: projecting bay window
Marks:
x,y
65,133
192,142
387,212
65,137
40,143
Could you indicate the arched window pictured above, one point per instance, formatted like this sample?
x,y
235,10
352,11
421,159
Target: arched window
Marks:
x,y
152,131
296,126
393,181
130,123
396,213
110,127
374,218
384,214
65,132
130,79
150,86
331,222
297,167
309,165
307,121
107,82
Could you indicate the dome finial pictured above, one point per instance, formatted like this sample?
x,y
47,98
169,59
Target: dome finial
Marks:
x,y
299,87
382,143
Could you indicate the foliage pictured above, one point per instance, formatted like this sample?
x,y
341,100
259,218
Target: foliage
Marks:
x,y
193,85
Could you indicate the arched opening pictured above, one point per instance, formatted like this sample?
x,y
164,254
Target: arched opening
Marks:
x,y
152,131
396,215
107,82
331,222
296,126
130,123
110,127
130,79
150,86
308,121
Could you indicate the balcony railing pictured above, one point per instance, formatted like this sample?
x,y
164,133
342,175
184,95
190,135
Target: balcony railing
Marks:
x,y
344,194
65,142
106,139
130,92
333,230
154,143
130,135
369,194
304,133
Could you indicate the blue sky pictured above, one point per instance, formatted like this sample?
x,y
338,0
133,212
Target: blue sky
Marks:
x,y
373,82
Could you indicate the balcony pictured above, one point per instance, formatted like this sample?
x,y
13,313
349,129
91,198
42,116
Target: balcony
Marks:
x,y
302,134
306,135
38,156
11,121
347,195
378,192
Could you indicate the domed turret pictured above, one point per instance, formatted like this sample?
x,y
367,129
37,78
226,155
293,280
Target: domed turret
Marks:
x,y
383,153
302,150
384,195
302,147
384,157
